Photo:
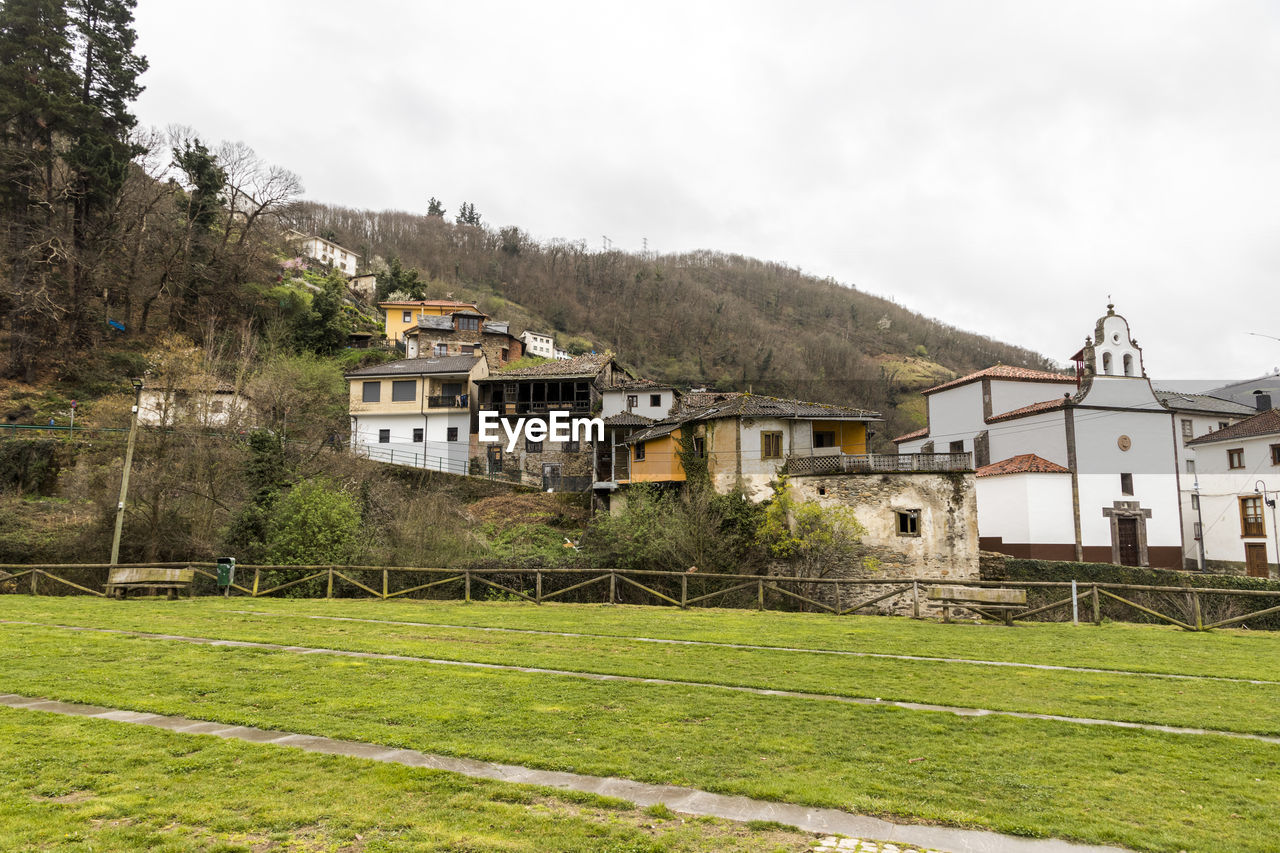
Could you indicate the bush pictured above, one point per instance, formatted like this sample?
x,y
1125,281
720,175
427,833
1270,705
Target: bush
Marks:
x,y
312,524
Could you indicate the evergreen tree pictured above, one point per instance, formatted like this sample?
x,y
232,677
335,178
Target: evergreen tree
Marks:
x,y
468,215
435,208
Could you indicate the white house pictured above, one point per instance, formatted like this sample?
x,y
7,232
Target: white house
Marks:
x,y
1081,467
1233,496
416,411
204,401
536,343
639,397
329,252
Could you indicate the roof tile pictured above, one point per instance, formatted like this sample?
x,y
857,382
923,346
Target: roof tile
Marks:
x,y
1263,423
1004,371
1027,463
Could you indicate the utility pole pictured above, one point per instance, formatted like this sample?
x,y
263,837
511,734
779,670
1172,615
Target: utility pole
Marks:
x,y
128,464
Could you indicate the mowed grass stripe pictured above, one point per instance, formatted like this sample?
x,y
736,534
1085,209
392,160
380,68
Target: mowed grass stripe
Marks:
x,y
1249,655
1230,706
765,648
78,784
821,697
1099,785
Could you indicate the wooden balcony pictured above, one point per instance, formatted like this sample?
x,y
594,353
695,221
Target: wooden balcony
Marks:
x,y
878,463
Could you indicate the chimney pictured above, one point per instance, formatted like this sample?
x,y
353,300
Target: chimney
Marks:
x,y
1262,400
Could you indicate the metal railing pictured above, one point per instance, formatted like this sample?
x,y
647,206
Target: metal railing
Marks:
x,y
878,463
448,401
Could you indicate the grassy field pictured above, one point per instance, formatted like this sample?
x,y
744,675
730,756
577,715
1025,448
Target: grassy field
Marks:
x,y
1142,789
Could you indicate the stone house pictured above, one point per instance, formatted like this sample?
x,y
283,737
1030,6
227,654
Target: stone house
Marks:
x,y
463,333
522,397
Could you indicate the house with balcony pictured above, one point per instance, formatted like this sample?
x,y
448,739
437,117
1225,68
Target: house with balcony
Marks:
x,y
403,315
918,510
327,252
416,411
572,388
1233,499
538,343
629,405
463,332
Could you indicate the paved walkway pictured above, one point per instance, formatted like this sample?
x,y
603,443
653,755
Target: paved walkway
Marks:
x,y
840,652
633,679
685,800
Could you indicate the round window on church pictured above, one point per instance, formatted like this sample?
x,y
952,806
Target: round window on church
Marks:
x,y
1116,337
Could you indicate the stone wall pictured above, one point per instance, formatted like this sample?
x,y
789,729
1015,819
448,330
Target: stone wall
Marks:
x,y
946,543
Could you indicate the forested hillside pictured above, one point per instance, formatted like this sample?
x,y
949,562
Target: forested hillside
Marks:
x,y
701,317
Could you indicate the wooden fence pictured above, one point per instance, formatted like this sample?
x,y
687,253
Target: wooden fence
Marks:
x,y
1184,607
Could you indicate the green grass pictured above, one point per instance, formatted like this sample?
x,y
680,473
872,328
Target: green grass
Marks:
x,y
79,784
1103,785
1230,706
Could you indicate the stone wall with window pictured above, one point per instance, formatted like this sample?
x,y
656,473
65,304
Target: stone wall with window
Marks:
x,y
918,525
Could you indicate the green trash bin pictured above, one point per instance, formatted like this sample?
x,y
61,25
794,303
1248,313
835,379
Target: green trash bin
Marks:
x,y
226,574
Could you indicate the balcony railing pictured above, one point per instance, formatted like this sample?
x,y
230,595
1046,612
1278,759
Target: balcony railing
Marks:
x,y
579,409
448,401
879,463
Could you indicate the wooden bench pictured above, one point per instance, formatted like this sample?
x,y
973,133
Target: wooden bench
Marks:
x,y
979,599
172,581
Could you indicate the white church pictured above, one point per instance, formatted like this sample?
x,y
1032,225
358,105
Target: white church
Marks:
x,y
1073,467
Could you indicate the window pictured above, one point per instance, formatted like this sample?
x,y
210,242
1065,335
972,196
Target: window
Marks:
x,y
384,436
699,446
908,522
404,390
372,392
1251,522
417,435
1235,458
640,452
655,400
1128,364
572,446
531,446
468,349
824,438
1191,466
1126,484
406,317
1222,424
1106,363
217,407
770,445
440,350
504,355
957,446
451,434
1188,431
468,324
633,400
1275,454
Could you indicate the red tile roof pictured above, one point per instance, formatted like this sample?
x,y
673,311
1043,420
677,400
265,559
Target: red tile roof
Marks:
x,y
920,433
1027,463
1003,371
1033,409
1263,423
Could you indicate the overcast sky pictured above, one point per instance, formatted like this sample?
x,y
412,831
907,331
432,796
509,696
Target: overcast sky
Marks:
x,y
1003,167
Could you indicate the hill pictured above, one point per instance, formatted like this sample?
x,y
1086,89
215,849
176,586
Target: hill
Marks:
x,y
724,320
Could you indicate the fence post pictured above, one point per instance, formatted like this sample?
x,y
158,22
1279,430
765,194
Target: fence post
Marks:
x,y
1097,609
1075,604
257,575
684,592
537,580
760,594
384,584
328,593
35,573
837,586
915,599
467,585
1195,609
613,588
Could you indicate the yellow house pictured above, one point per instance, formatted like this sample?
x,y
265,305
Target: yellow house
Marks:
x,y
748,439
404,315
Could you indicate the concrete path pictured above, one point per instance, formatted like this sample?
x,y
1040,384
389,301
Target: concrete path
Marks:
x,y
686,800
750,647
633,679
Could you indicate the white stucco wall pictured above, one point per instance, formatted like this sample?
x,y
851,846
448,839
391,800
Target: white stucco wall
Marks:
x,y
1220,491
615,402
1026,508
1007,395
435,452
